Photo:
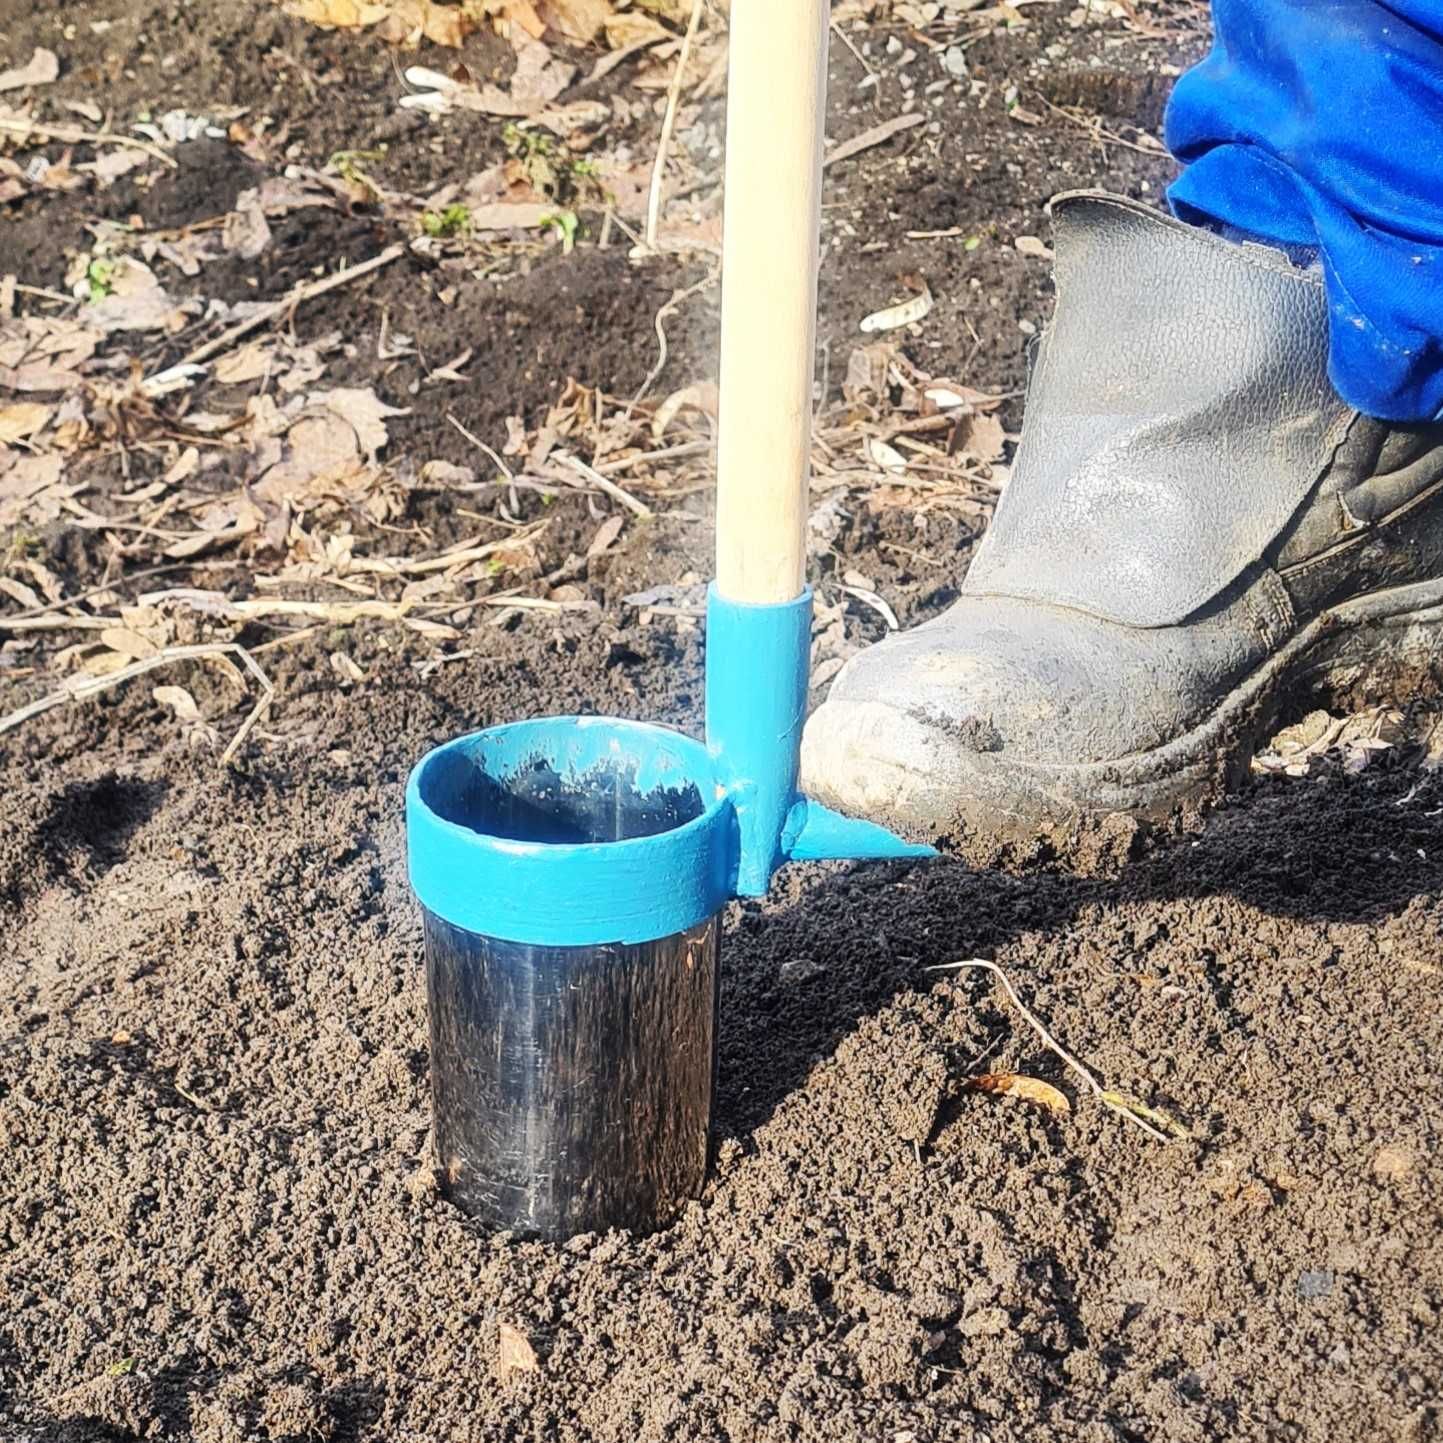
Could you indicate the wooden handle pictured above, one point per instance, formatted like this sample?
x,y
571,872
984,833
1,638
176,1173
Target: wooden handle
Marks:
x,y
776,113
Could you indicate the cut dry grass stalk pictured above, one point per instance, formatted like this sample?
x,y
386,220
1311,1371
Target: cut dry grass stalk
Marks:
x,y
687,451
82,687
308,290
78,135
877,135
664,350
604,484
1110,1100
668,125
486,450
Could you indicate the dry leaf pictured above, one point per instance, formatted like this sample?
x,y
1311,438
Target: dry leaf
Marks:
x,y
521,13
402,22
246,232
908,313
867,369
345,668
701,396
137,302
22,419
43,68
628,33
110,165
46,579
510,217
31,488
38,378
337,14
879,453
363,410
1030,1089
411,21
539,75
18,591
249,363
181,469
179,700
578,20
105,663
983,438
574,121
1030,245
1393,1163
606,536
129,643
42,354
515,1353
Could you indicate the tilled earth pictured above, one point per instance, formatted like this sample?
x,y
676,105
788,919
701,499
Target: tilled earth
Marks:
x,y
218,1218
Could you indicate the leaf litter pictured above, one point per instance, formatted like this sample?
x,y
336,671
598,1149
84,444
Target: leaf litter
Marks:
x,y
263,467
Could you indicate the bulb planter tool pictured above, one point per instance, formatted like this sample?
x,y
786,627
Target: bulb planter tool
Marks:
x,y
571,870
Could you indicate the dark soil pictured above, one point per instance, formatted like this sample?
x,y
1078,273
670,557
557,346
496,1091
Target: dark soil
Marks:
x,y
218,1215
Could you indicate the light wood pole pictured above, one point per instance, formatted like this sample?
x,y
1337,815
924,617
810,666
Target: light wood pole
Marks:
x,y
776,111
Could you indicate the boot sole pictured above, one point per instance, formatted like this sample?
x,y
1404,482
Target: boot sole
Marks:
x,y
1372,644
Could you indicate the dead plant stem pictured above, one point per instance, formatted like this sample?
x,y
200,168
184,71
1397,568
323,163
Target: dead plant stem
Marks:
x,y
668,125
1053,1045
307,291
90,686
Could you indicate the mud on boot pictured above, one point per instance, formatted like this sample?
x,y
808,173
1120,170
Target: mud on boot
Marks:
x,y
1197,529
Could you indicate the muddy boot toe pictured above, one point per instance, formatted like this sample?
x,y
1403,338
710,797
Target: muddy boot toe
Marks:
x,y
1197,527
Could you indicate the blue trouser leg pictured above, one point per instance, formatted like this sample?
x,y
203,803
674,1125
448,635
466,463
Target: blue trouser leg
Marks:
x,y
1318,125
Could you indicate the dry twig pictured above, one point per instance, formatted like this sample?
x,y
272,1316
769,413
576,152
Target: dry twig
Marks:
x,y
877,135
82,687
78,135
668,125
1108,1099
308,290
604,483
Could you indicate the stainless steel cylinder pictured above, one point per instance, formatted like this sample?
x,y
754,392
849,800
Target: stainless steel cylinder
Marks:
x,y
572,1086
570,873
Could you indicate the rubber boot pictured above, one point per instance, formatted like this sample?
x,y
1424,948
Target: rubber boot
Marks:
x,y
1196,527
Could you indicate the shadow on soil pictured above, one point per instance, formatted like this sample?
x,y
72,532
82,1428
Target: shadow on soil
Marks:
x,y
92,822
296,1409
800,973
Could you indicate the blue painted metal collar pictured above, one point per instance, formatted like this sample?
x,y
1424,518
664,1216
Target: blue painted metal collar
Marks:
x,y
758,671
751,818
553,894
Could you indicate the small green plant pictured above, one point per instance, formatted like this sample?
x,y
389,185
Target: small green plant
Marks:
x,y
120,1369
100,278
20,545
567,224
454,220
348,165
551,169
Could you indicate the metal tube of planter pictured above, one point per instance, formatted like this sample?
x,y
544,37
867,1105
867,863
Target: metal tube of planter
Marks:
x,y
572,1086
570,873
